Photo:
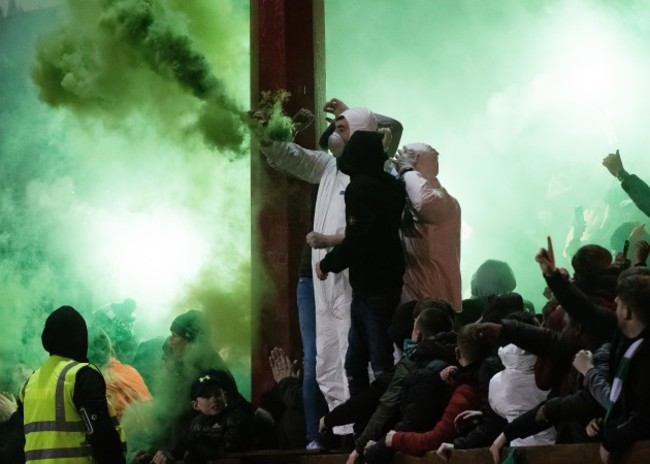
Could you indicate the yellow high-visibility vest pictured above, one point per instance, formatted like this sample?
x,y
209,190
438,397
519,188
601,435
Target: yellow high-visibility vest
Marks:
x,y
54,430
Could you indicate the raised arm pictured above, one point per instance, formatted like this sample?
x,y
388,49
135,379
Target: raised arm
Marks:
x,y
307,165
596,319
431,201
638,190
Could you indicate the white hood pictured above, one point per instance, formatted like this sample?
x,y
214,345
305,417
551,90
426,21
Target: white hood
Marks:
x,y
360,119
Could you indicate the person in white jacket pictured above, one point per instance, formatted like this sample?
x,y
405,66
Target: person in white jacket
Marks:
x,y
334,294
430,229
513,392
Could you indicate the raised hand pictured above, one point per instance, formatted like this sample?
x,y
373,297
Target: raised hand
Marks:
x,y
335,107
546,258
281,365
303,119
614,164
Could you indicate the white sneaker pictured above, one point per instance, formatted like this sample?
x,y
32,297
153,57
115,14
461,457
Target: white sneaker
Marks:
x,y
313,446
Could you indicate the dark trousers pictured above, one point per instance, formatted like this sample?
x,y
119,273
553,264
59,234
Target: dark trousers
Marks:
x,y
368,339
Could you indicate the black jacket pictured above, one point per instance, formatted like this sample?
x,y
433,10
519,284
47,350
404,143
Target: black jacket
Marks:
x,y
425,395
209,437
629,418
374,201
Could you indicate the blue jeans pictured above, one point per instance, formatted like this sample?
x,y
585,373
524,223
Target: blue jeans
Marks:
x,y
368,339
310,390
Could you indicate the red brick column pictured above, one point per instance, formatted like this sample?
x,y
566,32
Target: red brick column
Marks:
x,y
287,52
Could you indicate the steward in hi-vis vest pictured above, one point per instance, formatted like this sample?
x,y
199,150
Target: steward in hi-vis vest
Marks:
x,y
65,413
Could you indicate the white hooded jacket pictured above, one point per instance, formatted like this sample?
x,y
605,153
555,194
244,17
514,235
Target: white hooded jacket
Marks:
x,y
513,392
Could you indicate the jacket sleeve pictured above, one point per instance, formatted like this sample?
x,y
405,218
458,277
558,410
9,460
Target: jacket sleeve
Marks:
x,y
352,410
484,433
387,410
307,165
598,380
89,397
621,431
536,340
596,319
361,220
638,191
464,397
291,392
432,202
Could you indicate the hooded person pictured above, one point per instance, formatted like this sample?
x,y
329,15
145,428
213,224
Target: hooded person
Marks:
x,y
513,392
124,384
333,295
371,250
64,406
430,230
186,353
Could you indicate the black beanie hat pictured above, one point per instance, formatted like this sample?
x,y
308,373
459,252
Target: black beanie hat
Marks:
x,y
65,334
499,306
189,325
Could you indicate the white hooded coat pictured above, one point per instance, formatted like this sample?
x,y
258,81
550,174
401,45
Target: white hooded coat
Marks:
x,y
432,240
513,392
333,295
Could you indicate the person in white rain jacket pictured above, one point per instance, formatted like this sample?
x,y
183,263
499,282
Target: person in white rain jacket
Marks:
x,y
513,392
430,229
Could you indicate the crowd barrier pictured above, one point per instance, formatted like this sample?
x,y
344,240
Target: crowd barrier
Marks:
x,y
557,454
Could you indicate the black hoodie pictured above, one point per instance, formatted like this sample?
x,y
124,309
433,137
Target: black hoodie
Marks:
x,y
65,334
374,201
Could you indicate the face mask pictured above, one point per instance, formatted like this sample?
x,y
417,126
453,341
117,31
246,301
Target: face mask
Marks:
x,y
409,347
336,144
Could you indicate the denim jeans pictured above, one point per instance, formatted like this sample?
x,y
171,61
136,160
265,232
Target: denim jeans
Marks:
x,y
368,339
310,391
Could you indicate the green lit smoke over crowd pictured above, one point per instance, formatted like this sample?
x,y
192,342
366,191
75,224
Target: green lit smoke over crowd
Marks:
x,y
522,99
124,168
124,164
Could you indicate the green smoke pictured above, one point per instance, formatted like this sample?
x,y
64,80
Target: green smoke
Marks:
x,y
109,191
521,99
111,57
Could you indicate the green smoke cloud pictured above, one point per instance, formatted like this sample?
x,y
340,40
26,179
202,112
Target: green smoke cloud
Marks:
x,y
114,58
119,195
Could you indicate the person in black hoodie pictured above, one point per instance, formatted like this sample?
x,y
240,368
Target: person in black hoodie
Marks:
x,y
371,249
65,337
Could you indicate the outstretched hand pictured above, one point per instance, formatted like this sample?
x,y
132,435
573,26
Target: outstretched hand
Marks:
x,y
281,365
546,258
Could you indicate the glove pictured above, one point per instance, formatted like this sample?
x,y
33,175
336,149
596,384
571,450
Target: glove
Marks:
x,y
404,160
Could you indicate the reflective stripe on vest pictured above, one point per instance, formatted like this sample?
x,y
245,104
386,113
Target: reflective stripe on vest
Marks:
x,y
62,440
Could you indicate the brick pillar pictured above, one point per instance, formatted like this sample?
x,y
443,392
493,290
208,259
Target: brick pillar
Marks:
x,y
287,52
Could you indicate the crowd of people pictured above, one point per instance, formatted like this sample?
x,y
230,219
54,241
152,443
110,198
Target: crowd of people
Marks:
x,y
394,359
